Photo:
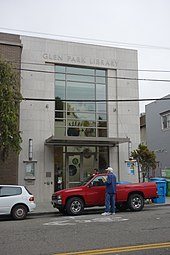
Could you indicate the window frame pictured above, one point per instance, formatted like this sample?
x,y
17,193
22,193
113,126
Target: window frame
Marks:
x,y
167,115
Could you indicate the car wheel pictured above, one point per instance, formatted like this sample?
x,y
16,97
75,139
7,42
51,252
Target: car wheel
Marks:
x,y
74,206
122,207
19,212
136,202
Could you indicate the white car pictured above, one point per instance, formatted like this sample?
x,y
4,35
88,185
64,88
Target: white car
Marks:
x,y
16,201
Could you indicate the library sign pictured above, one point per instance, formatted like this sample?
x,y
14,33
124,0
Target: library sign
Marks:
x,y
69,59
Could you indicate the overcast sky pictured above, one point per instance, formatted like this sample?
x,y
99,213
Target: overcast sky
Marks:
x,y
136,24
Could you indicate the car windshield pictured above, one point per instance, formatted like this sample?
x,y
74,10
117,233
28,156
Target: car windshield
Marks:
x,y
86,180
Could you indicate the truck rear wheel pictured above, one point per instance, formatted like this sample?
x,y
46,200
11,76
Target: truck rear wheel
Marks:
x,y
136,202
74,206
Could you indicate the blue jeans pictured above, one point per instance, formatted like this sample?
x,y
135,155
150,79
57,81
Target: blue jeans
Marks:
x,y
110,202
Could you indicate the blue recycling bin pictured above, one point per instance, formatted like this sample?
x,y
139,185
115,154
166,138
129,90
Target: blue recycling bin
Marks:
x,y
161,186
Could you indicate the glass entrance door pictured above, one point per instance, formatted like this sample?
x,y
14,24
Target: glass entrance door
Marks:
x,y
74,164
78,167
73,173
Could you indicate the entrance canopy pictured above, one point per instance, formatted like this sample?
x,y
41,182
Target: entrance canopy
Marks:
x,y
84,141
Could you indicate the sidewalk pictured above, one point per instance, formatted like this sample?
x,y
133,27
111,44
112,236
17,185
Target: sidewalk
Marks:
x,y
44,208
47,208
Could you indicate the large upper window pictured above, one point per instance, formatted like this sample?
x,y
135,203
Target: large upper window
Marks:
x,y
80,108
165,120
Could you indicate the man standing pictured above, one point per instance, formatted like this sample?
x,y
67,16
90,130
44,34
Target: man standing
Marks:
x,y
110,183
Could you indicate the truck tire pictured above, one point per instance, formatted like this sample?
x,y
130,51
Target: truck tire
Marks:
x,y
136,202
74,206
19,212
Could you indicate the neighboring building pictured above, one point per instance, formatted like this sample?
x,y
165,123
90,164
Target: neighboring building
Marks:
x,y
158,132
10,50
87,126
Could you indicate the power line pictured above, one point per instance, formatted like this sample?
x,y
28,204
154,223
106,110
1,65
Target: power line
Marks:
x,y
112,77
93,100
121,69
87,100
73,38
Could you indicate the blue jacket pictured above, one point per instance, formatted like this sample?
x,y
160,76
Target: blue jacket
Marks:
x,y
111,183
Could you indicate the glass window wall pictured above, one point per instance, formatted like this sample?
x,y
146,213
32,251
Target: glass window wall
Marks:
x,y
78,117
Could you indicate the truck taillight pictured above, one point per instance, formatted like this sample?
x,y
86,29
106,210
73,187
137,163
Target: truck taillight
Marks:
x,y
31,199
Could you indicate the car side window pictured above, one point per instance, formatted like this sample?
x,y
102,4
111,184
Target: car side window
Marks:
x,y
98,181
10,191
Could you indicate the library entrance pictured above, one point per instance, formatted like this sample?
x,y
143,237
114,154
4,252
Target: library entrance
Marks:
x,y
75,159
73,165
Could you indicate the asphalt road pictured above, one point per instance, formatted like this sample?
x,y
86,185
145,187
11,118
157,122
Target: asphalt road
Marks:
x,y
145,232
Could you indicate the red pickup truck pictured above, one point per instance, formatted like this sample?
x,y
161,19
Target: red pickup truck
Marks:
x,y
72,201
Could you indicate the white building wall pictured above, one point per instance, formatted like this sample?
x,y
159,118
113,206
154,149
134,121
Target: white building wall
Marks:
x,y
124,116
37,117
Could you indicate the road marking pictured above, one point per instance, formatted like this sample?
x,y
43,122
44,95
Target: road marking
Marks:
x,y
119,249
61,223
76,220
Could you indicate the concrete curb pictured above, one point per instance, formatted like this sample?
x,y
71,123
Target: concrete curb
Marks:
x,y
157,205
43,213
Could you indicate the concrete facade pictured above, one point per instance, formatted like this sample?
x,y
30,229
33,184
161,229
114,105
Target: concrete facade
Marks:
x,y
37,122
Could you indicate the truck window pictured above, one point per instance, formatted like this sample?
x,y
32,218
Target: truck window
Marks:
x,y
98,181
